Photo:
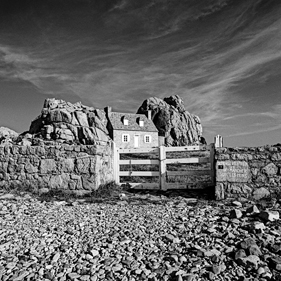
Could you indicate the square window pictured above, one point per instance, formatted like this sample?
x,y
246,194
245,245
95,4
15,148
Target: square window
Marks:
x,y
125,138
147,138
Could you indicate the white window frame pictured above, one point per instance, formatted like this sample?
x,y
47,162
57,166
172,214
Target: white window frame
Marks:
x,y
126,122
123,138
145,138
141,123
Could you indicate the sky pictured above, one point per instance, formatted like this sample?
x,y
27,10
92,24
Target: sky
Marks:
x,y
222,57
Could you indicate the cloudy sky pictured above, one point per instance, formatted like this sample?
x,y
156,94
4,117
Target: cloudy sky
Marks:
x,y
222,57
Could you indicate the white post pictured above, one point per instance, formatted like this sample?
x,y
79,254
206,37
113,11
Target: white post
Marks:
x,y
212,162
116,163
218,141
162,167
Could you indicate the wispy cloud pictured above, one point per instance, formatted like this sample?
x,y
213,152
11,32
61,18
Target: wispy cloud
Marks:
x,y
203,71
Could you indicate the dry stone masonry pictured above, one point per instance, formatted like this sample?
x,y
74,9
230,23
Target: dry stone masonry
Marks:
x,y
61,166
250,172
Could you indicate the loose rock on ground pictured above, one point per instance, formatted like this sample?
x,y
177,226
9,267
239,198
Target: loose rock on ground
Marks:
x,y
138,237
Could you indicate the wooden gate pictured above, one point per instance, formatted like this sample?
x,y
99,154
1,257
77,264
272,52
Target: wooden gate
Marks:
x,y
168,167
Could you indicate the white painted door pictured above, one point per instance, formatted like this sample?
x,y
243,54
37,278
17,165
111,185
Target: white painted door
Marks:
x,y
136,141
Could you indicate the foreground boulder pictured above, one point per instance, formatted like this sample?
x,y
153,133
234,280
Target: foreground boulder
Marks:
x,y
178,126
71,123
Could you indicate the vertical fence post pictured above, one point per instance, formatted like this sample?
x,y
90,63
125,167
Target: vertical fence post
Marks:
x,y
218,141
116,163
212,162
162,167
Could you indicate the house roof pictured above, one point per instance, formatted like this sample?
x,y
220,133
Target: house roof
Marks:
x,y
116,120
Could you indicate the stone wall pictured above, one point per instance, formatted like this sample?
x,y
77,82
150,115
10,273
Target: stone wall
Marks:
x,y
68,167
252,172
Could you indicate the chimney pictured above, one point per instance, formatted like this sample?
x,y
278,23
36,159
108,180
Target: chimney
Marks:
x,y
149,114
140,122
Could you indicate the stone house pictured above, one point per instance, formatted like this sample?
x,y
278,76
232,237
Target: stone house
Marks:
x,y
129,130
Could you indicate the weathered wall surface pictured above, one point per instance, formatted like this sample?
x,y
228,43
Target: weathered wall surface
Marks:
x,y
72,167
253,172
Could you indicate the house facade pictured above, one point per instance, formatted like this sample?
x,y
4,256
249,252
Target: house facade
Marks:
x,y
132,130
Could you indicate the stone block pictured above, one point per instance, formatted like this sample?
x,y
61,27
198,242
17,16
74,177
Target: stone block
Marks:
x,y
260,193
241,157
276,157
11,167
67,165
75,182
40,151
270,169
72,185
47,166
91,149
3,167
4,176
77,148
255,171
22,150
236,188
82,165
233,171
14,150
29,176
260,179
19,168
67,147
90,183
58,182
29,168
32,150
222,157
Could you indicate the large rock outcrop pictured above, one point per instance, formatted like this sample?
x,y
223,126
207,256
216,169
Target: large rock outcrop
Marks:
x,y
71,123
177,125
7,136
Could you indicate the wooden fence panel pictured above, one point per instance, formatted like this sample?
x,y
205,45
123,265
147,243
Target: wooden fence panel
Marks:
x,y
162,162
193,160
139,173
139,162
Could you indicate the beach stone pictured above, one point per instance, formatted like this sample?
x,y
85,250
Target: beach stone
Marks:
x,y
235,214
252,210
237,204
247,243
275,263
249,261
254,250
269,215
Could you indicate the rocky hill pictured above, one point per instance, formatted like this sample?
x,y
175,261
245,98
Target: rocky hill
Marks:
x,y
177,125
66,122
